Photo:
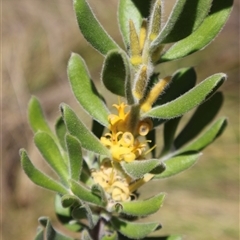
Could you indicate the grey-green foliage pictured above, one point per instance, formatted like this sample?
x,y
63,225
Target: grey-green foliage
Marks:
x,y
73,150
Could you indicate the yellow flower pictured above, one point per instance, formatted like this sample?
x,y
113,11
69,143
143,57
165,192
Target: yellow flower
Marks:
x,y
117,185
112,181
123,144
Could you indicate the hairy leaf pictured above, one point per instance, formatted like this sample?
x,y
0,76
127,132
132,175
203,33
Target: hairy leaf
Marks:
x,y
83,193
36,117
38,177
85,90
134,230
201,118
143,207
74,156
91,29
189,100
213,132
51,153
208,30
138,168
178,164
81,132
184,19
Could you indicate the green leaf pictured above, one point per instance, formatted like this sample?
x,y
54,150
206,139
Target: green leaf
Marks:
x,y
84,212
85,235
75,157
52,234
189,100
184,19
207,137
178,164
91,29
182,81
110,236
40,234
85,90
201,117
116,72
152,137
208,30
63,211
36,117
38,177
61,130
134,230
128,10
50,151
143,207
97,129
81,132
138,168
169,131
83,193
98,190
172,237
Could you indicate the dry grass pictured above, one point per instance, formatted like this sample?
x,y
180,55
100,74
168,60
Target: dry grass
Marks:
x,y
38,37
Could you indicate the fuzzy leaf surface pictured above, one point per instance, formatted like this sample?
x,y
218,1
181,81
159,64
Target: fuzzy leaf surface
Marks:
x,y
74,157
182,81
36,116
134,230
83,193
115,72
207,31
128,10
52,234
85,90
91,29
143,207
187,16
63,211
38,177
61,130
81,132
51,153
138,168
207,137
189,100
178,164
203,115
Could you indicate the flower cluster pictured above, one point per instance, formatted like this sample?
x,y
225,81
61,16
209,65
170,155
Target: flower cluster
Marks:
x,y
122,141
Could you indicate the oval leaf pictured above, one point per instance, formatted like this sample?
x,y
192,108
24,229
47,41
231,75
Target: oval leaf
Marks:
x,y
208,30
143,207
189,100
178,164
36,117
207,137
83,193
91,29
61,130
138,168
115,72
201,117
74,156
187,16
134,230
50,151
52,234
81,132
85,90
38,177
128,10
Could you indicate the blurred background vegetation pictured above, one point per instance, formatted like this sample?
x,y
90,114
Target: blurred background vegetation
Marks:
x,y
38,38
